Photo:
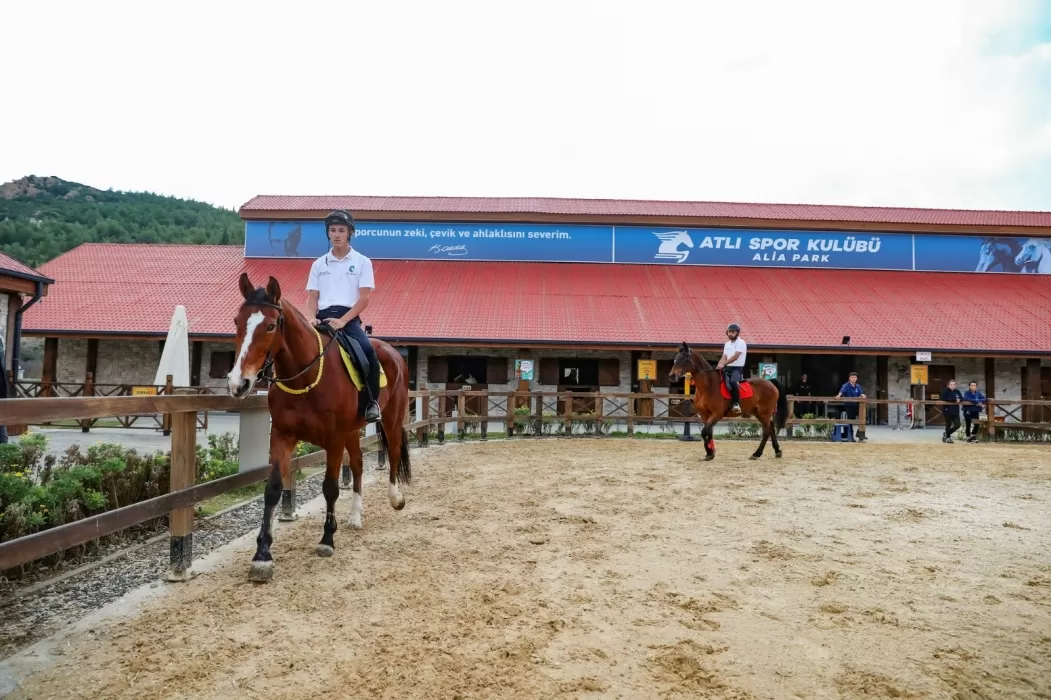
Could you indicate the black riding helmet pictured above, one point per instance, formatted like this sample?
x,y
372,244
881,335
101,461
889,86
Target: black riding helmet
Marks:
x,y
340,216
733,327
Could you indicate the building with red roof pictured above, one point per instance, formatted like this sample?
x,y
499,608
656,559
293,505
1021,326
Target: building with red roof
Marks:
x,y
586,288
20,287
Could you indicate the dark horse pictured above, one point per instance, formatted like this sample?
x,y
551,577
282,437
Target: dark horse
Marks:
x,y
768,402
303,407
999,252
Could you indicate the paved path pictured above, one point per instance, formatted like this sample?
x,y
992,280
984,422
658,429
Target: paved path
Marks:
x,y
143,439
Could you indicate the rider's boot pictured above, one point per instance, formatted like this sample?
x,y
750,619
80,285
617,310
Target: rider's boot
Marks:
x,y
372,412
735,401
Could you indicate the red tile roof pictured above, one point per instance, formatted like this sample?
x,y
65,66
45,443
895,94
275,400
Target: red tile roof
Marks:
x,y
133,289
638,207
10,265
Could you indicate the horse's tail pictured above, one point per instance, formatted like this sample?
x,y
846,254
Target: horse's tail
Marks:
x,y
782,406
404,467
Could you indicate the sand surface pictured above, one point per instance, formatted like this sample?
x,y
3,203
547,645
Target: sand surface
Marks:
x,y
592,568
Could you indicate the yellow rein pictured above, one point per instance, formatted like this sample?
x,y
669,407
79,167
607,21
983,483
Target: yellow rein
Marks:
x,y
320,369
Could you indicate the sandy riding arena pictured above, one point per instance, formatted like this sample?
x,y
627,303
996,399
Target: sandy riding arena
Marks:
x,y
604,568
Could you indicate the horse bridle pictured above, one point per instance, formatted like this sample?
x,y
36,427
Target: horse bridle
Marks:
x,y
268,364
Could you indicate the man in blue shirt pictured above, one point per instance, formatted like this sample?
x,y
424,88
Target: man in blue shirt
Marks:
x,y
970,413
853,390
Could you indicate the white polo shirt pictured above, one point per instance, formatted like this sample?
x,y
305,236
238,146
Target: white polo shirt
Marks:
x,y
729,348
338,280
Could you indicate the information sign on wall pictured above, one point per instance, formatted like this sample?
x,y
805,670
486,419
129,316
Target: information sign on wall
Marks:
x,y
768,370
524,370
647,369
918,374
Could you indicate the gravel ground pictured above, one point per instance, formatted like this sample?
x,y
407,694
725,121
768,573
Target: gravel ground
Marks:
x,y
27,620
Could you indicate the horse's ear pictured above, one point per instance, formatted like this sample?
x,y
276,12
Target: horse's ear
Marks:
x,y
685,347
246,285
273,290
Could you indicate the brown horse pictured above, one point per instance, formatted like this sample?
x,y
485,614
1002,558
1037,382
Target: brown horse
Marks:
x,y
313,398
767,400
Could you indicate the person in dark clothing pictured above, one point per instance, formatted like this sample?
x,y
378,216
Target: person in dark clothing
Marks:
x,y
952,396
852,390
803,389
971,412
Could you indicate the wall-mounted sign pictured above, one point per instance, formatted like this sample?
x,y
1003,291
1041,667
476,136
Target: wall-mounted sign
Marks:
x,y
923,357
768,370
918,374
524,370
647,369
643,245
144,391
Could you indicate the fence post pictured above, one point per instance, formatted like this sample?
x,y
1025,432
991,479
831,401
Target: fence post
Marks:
x,y
461,406
423,412
166,419
441,418
990,415
791,412
253,438
89,391
183,476
863,415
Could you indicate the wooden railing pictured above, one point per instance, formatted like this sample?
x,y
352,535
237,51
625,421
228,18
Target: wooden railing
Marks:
x,y
427,410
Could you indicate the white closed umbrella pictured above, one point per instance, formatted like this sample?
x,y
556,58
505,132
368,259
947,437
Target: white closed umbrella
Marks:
x,y
175,359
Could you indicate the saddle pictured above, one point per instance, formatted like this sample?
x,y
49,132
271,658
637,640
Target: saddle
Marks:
x,y
743,385
354,359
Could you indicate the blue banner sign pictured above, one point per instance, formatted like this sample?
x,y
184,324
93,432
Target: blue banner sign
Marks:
x,y
643,245
764,248
438,241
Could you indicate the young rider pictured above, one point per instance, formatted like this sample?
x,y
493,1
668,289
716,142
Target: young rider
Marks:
x,y
338,290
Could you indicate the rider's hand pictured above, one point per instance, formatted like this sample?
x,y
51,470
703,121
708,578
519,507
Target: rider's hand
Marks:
x,y
315,321
336,323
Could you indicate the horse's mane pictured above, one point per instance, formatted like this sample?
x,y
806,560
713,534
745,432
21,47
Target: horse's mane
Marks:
x,y
701,362
259,297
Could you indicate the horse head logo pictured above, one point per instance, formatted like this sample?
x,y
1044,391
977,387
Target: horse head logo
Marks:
x,y
1035,256
669,247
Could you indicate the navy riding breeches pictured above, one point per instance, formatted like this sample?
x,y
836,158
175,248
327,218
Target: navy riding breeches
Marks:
x,y
355,330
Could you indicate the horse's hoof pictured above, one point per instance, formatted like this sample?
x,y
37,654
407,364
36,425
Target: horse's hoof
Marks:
x,y
261,571
355,522
324,550
754,457
398,505
709,458
777,454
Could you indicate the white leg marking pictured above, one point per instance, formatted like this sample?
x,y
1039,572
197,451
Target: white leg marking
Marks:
x,y
253,322
394,493
357,509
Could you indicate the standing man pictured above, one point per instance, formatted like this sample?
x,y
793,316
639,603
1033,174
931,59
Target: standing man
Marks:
x,y
732,364
952,396
970,413
853,390
339,289
803,389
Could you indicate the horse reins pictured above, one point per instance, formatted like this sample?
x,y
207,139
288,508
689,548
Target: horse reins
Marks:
x,y
268,364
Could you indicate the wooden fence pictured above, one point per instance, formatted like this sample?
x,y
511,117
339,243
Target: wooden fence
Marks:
x,y
427,410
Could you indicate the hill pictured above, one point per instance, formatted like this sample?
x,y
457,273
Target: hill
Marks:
x,y
43,217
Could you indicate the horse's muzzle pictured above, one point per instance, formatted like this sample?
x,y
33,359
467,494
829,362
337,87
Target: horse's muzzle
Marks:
x,y
241,389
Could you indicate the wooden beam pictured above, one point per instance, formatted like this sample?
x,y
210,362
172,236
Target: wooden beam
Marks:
x,y
1032,390
195,363
49,373
17,284
40,410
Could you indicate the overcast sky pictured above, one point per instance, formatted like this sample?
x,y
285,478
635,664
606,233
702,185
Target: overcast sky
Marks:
x,y
913,103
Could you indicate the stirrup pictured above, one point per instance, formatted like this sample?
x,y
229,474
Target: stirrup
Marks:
x,y
372,413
